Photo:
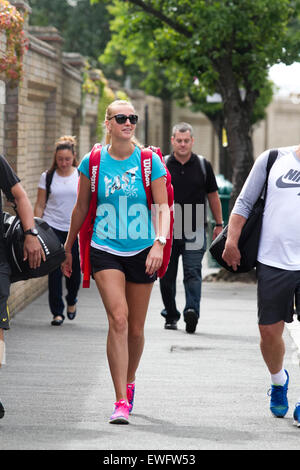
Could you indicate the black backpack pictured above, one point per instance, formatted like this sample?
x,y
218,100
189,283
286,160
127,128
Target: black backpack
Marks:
x,y
14,242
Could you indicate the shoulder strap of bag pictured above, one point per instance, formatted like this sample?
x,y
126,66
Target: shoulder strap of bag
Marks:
x,y
146,164
201,160
271,159
49,178
203,166
94,165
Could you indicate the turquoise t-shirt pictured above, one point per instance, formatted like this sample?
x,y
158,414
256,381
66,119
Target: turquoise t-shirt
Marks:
x,y
123,220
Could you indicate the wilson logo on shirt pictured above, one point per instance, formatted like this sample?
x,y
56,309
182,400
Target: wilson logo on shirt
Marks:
x,y
290,180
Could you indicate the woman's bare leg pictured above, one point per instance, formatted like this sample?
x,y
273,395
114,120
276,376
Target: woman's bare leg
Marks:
x,y
111,285
137,296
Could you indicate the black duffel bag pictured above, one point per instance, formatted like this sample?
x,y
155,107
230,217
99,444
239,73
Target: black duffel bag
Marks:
x,y
248,242
250,234
14,243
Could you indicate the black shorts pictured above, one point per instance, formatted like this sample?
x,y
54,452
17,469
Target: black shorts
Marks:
x,y
133,267
4,294
275,294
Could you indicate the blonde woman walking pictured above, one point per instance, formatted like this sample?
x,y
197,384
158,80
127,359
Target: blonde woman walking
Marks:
x,y
124,256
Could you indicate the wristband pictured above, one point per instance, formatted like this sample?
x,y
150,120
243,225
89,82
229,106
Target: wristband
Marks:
x,y
219,225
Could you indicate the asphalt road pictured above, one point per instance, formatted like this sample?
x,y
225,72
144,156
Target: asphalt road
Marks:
x,y
205,391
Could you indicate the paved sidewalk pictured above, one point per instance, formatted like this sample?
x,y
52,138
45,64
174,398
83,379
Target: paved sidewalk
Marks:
x,y
202,391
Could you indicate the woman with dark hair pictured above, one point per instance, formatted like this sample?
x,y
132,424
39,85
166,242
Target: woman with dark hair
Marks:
x,y
125,251
57,192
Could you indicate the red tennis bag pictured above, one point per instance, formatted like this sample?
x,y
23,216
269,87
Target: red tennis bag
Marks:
x,y
86,231
146,157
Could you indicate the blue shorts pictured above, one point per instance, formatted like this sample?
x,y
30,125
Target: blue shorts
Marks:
x,y
275,294
133,267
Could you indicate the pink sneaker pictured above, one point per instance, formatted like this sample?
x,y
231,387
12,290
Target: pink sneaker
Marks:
x,y
130,395
121,413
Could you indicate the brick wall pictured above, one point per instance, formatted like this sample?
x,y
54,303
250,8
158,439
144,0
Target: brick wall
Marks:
x,y
46,105
2,102
2,96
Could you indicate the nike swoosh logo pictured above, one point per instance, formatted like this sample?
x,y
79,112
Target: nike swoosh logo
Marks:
x,y
282,184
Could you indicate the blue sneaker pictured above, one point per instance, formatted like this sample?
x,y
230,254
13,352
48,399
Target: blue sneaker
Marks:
x,y
297,415
279,402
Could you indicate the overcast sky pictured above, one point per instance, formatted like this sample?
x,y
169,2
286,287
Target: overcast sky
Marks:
x,y
287,78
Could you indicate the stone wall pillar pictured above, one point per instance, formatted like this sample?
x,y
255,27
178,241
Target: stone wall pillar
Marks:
x,y
2,94
52,37
14,145
77,62
2,105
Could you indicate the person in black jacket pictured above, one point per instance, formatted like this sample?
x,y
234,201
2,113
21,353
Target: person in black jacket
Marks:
x,y
193,180
13,190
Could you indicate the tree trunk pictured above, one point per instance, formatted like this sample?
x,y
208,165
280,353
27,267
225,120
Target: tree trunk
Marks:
x,y
238,128
240,148
217,120
167,111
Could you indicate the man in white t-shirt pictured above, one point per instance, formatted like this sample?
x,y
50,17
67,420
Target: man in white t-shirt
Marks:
x,y
278,268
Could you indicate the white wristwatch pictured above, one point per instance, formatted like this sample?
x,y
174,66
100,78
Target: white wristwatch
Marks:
x,y
161,240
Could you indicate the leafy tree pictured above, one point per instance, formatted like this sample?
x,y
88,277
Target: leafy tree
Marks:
x,y
84,27
202,47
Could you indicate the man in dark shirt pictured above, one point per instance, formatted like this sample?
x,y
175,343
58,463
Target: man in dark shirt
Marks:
x,y
10,185
193,180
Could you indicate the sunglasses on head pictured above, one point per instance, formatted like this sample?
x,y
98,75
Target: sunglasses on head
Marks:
x,y
122,118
